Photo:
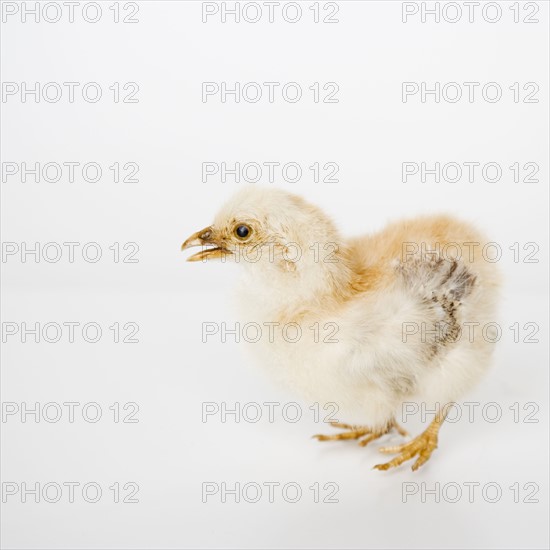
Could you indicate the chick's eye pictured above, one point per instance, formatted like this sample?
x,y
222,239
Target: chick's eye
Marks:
x,y
242,231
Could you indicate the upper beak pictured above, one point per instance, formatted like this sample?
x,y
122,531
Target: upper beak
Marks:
x,y
206,236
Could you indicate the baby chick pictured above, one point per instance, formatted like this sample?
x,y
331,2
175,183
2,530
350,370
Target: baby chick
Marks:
x,y
369,323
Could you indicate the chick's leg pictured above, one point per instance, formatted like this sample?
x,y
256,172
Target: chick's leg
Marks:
x,y
421,446
358,432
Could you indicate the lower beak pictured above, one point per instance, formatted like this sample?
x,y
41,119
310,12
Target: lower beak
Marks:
x,y
205,237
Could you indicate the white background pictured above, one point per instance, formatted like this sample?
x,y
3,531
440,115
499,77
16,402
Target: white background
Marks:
x,y
170,373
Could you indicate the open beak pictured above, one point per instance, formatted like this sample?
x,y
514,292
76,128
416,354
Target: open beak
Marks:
x,y
205,237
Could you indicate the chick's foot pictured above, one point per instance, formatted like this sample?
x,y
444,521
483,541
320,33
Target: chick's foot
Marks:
x,y
422,446
358,432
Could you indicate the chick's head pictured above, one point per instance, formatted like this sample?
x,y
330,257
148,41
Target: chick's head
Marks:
x,y
265,227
